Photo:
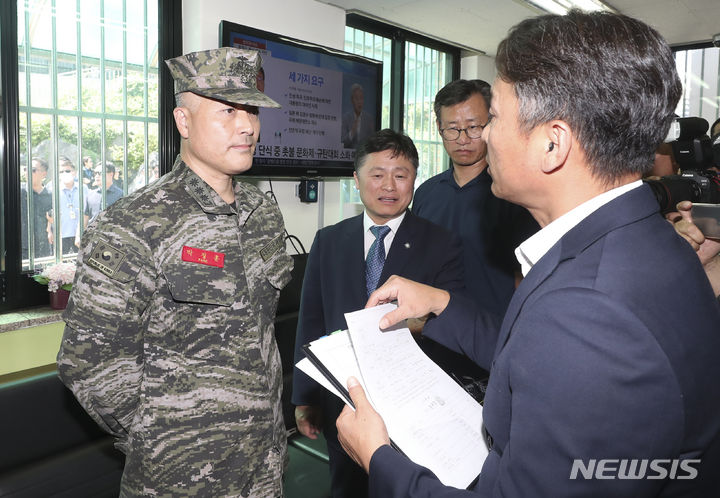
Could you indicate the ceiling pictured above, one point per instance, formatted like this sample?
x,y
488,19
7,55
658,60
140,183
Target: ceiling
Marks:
x,y
479,25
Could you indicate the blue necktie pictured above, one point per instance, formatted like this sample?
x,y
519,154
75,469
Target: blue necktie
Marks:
x,y
375,257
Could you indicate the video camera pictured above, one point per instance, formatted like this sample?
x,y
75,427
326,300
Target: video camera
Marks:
x,y
696,154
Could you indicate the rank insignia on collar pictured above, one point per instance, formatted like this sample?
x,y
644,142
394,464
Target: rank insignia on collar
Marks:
x,y
203,256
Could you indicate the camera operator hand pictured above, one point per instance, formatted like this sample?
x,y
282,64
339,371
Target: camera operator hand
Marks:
x,y
708,249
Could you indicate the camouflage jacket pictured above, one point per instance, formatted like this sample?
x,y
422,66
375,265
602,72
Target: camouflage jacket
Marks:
x,y
169,340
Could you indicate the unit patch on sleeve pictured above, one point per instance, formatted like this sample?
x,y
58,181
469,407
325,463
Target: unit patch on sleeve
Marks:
x,y
272,247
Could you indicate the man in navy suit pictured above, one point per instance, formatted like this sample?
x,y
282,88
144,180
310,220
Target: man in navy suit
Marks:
x,y
605,374
342,271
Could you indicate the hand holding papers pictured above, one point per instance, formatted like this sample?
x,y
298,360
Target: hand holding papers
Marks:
x,y
413,298
428,416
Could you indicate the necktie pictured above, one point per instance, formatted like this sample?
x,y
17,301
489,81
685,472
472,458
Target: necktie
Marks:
x,y
375,257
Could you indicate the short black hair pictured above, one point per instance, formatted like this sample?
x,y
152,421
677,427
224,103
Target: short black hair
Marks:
x,y
42,162
65,160
612,78
459,91
387,139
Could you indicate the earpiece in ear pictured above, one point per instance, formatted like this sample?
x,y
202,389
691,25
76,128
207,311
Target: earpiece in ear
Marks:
x,y
551,146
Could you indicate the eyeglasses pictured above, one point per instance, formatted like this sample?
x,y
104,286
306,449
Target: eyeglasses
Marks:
x,y
474,131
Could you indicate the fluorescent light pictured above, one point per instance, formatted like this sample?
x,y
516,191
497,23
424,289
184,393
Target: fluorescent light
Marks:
x,y
561,7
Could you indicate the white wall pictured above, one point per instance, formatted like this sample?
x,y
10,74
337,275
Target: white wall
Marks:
x,y
478,67
303,19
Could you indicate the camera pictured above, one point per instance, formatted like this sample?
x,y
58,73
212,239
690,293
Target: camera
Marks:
x,y
698,157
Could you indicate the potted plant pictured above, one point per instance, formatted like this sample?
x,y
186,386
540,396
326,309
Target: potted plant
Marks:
x,y
59,279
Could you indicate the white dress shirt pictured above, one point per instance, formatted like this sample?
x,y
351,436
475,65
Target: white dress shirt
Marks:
x,y
529,252
394,224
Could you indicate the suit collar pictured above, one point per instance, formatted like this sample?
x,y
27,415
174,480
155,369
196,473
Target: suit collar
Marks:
x,y
628,208
531,250
351,245
401,248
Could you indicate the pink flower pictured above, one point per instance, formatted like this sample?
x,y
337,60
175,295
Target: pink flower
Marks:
x,y
59,276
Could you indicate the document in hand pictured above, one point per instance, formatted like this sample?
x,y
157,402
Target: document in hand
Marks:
x,y
429,417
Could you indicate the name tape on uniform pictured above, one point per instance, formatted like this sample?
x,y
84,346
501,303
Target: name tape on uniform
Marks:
x,y
203,256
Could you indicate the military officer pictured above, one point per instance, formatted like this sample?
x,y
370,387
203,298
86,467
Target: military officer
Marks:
x,y
169,340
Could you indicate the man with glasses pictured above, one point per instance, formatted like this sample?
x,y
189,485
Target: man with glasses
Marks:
x,y
70,212
460,199
604,370
112,191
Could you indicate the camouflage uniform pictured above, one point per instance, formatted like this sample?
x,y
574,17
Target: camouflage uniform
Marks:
x,y
177,358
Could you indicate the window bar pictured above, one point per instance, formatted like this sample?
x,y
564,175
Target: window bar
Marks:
x,y
28,131
78,121
701,88
407,85
78,81
146,100
426,115
124,98
55,136
417,92
103,107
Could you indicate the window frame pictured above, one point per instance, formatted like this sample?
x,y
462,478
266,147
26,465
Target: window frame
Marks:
x,y
17,289
684,98
399,37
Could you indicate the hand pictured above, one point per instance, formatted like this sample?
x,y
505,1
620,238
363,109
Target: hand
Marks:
x,y
308,420
360,432
682,221
414,300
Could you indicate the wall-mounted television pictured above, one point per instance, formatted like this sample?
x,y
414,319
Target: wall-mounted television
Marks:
x,y
331,101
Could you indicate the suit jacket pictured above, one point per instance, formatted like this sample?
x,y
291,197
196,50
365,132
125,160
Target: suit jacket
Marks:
x,y
609,350
334,282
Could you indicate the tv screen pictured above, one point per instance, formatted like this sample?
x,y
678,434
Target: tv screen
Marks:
x,y
330,103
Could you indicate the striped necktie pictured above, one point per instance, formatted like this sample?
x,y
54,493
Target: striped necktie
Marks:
x,y
375,257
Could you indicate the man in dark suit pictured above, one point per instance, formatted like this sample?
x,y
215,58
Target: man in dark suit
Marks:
x,y
342,270
604,375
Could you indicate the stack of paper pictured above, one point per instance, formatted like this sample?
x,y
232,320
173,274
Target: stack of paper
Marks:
x,y
429,417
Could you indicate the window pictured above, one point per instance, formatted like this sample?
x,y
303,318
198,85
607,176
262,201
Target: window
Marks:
x,y
426,72
414,69
374,47
88,112
699,70
85,121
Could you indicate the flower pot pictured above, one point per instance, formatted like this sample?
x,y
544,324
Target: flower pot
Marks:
x,y
59,299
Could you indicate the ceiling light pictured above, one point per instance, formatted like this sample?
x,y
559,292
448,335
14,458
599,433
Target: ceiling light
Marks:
x,y
561,7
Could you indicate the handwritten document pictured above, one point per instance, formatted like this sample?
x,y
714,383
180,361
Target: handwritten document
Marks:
x,y
428,415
